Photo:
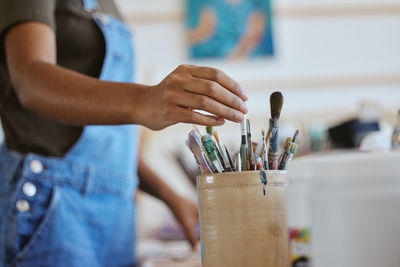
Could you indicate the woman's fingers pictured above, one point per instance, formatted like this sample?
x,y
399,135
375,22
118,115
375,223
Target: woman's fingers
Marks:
x,y
188,116
218,76
216,91
190,231
210,90
202,102
190,88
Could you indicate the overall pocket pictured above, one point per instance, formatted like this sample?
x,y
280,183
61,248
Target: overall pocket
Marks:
x,y
33,207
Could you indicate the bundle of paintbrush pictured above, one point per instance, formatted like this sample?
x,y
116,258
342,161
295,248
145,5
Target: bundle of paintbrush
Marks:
x,y
213,157
288,151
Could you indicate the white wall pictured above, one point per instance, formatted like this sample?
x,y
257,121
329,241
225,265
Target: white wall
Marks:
x,y
319,46
330,55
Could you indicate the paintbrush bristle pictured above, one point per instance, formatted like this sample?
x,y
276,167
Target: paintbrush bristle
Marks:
x,y
276,102
296,133
209,130
215,134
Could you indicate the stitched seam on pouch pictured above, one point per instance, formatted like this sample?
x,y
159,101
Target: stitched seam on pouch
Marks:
x,y
219,186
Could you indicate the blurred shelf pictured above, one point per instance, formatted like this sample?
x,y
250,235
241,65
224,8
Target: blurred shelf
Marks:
x,y
283,12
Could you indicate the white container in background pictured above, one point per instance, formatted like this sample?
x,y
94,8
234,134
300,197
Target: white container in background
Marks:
x,y
298,212
355,209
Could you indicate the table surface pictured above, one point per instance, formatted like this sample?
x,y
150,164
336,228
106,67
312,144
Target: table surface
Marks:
x,y
156,253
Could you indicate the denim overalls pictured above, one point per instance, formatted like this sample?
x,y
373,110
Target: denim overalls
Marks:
x,y
77,210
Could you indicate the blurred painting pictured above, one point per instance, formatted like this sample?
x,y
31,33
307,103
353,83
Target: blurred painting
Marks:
x,y
234,29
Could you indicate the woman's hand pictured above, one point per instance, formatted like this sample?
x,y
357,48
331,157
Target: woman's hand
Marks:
x,y
190,88
186,213
184,210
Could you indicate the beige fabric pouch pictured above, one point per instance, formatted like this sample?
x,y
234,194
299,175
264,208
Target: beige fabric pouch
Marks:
x,y
240,226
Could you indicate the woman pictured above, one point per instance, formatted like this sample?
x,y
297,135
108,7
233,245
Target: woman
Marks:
x,y
67,176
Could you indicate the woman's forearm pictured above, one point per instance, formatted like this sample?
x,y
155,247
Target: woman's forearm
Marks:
x,y
205,28
154,185
61,94
76,99
184,210
72,98
252,36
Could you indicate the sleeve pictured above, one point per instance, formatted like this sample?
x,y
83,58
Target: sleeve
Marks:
x,y
13,12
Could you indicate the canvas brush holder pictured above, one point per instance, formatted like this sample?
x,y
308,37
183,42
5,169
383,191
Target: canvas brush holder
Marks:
x,y
243,219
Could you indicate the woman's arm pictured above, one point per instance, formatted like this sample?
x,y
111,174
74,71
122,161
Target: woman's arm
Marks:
x,y
184,210
252,37
72,98
206,27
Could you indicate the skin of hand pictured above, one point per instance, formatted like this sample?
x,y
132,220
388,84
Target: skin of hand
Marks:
x,y
75,99
252,37
187,214
184,210
190,88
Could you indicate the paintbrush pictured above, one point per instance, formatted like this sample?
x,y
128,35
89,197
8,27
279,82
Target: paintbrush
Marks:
x,y
276,102
286,150
220,156
265,149
207,169
285,154
290,145
264,152
293,148
255,146
296,133
206,156
211,151
225,160
196,147
243,145
289,150
238,162
196,129
250,152
230,159
259,163
209,130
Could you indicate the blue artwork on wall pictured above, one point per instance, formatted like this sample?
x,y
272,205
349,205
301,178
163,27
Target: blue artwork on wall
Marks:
x,y
234,29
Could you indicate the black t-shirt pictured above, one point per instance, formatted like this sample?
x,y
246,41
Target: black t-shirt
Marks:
x,y
80,47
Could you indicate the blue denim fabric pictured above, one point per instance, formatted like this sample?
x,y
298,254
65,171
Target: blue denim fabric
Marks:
x,y
83,213
90,5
